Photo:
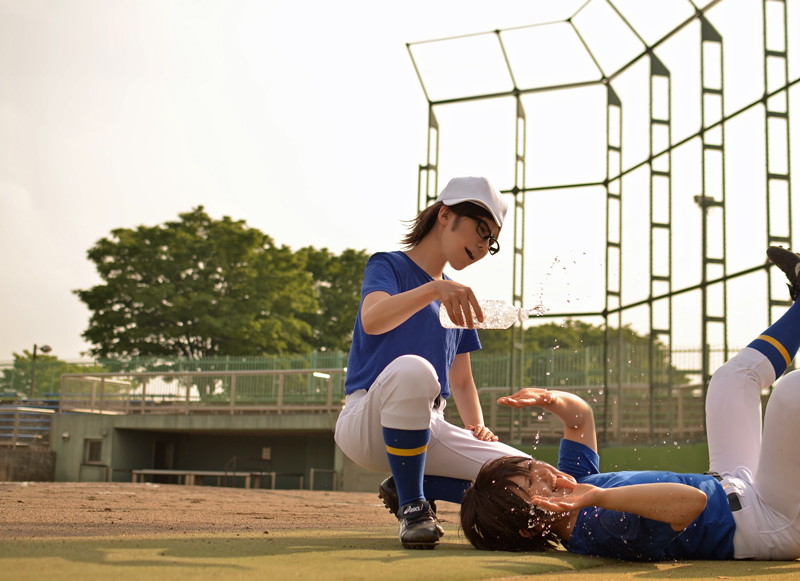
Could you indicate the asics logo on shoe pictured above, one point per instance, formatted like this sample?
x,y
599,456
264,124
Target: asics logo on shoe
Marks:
x,y
411,509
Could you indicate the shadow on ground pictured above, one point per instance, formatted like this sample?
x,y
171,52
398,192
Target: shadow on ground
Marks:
x,y
332,555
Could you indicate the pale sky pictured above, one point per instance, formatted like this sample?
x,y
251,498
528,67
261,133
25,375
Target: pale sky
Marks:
x,y
307,120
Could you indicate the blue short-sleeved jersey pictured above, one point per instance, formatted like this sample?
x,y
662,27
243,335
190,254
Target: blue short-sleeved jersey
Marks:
x,y
422,334
622,535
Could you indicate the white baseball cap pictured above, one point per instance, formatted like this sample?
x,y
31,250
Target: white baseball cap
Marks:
x,y
478,191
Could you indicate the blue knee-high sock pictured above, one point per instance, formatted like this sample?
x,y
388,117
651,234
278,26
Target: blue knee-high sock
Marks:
x,y
407,450
781,341
445,488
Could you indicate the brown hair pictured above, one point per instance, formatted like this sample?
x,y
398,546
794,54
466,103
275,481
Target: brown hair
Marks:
x,y
493,514
423,223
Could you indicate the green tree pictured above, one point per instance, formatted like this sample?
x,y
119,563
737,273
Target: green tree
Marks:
x,y
575,345
337,281
570,334
17,379
197,287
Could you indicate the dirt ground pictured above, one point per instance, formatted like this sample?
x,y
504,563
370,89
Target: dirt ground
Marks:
x,y
68,509
67,531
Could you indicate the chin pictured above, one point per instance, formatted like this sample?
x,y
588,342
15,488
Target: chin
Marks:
x,y
458,266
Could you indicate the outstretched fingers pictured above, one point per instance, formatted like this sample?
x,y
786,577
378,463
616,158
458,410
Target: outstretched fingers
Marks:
x,y
552,504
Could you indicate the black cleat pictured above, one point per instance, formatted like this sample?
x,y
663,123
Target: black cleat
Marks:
x,y
418,526
387,492
789,263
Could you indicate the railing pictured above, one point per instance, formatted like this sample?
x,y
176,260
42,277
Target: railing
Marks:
x,y
678,415
547,368
25,426
280,391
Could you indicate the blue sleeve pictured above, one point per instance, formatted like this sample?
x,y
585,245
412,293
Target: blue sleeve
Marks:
x,y
469,342
380,275
577,459
620,535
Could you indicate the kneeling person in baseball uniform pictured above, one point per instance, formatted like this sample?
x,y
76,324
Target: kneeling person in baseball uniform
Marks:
x,y
404,365
746,507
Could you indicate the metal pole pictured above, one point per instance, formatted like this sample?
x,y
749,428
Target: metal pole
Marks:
x,y
33,369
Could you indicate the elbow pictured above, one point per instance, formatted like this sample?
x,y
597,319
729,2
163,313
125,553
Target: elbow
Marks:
x,y
702,500
369,327
694,508
584,416
586,411
369,324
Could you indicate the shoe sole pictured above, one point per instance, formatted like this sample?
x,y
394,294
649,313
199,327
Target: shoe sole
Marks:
x,y
382,496
420,546
789,263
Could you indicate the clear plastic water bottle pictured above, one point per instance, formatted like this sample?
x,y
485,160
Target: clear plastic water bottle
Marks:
x,y
496,315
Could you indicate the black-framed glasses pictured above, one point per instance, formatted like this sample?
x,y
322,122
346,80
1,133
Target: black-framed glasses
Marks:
x,y
486,234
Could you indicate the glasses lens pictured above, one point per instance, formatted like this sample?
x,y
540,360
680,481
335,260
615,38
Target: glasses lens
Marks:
x,y
485,233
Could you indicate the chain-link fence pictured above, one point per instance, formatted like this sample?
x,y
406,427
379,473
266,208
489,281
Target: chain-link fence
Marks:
x,y
638,405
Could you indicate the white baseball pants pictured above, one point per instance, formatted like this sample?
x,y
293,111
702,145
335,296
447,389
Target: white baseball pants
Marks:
x,y
763,468
402,397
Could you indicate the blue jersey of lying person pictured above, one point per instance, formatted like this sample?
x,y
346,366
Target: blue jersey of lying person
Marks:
x,y
622,535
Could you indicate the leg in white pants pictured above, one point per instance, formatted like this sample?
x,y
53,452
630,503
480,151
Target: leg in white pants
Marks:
x,y
779,469
402,398
733,411
763,469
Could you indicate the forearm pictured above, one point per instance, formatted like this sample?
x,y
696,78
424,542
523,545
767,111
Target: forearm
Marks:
x,y
462,386
468,404
676,504
382,312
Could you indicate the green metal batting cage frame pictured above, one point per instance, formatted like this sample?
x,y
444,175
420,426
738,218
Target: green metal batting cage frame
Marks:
x,y
640,80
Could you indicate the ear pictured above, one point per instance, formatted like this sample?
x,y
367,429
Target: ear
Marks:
x,y
445,214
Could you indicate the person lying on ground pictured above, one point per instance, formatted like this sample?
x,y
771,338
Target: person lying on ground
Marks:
x,y
746,507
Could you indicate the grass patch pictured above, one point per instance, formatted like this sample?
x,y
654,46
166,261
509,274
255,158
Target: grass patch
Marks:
x,y
332,556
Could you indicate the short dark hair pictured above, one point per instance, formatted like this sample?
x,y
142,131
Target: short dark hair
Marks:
x,y
493,514
423,223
